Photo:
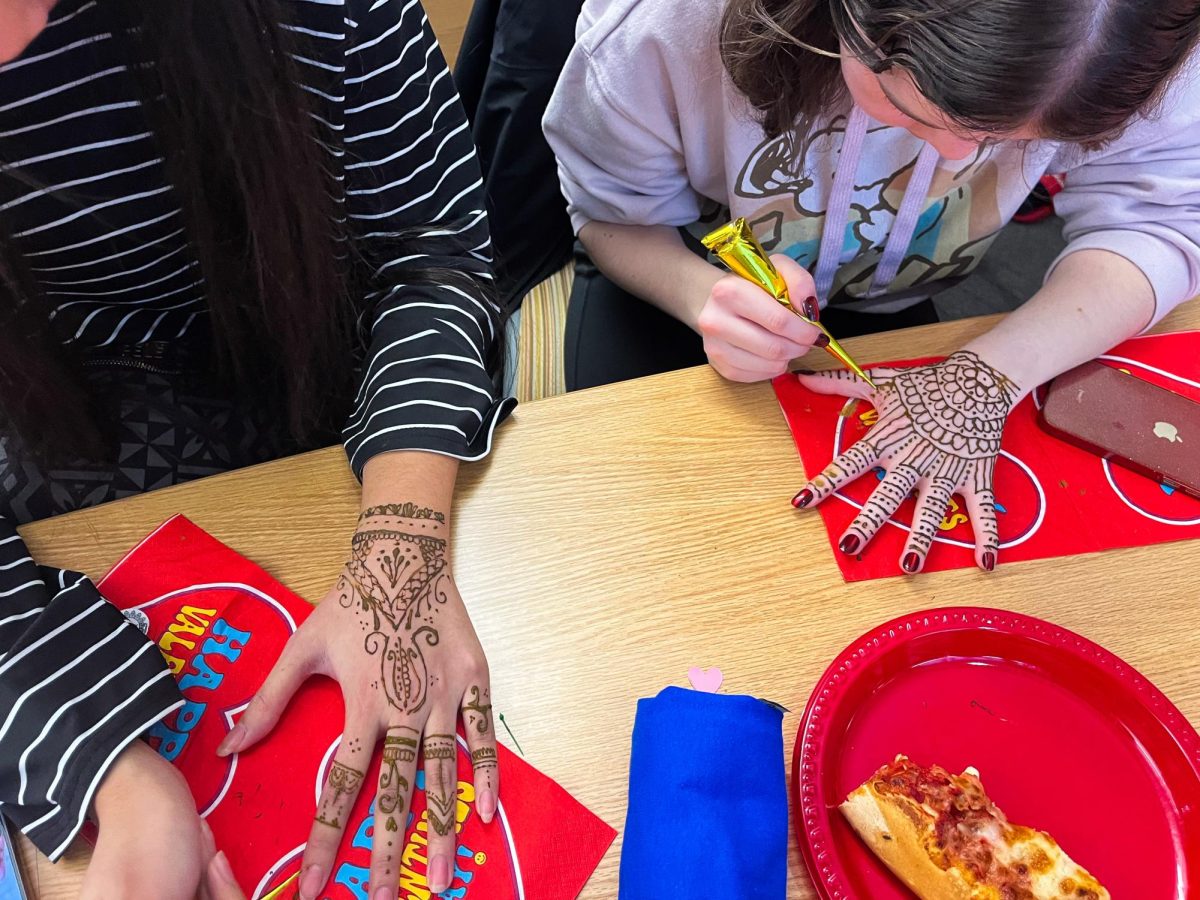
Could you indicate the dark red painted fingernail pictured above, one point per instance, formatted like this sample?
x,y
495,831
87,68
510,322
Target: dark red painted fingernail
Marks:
x,y
850,544
822,340
912,562
802,499
989,561
812,308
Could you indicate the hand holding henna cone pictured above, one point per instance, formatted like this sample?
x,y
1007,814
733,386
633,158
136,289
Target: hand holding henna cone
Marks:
x,y
737,247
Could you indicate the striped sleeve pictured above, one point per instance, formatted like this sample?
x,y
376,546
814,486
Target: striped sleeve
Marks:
x,y
77,684
414,199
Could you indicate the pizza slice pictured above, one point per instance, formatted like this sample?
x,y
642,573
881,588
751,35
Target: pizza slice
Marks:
x,y
942,836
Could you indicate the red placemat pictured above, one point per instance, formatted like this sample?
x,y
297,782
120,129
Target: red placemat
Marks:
x,y
1052,499
220,622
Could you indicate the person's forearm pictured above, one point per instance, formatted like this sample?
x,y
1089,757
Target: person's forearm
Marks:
x,y
652,262
1092,301
409,476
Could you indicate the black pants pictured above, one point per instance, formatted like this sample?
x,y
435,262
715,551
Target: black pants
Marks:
x,y
613,336
511,57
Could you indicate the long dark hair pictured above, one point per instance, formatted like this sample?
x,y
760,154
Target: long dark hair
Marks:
x,y
220,87
1076,70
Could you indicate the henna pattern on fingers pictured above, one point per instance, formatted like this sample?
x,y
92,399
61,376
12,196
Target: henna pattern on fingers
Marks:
x,y
483,758
478,713
343,782
396,581
441,751
393,787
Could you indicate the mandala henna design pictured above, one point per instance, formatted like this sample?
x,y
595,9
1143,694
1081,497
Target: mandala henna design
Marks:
x,y
396,580
959,406
341,787
939,427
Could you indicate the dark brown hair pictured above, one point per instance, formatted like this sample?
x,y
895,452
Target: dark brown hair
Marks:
x,y
243,152
1074,70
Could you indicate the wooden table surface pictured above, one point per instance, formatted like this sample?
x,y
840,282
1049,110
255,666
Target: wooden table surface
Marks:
x,y
618,536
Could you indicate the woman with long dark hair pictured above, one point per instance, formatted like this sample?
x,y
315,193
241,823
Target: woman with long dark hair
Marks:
x,y
878,146
229,230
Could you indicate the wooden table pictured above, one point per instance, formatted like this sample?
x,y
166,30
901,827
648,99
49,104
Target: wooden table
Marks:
x,y
618,536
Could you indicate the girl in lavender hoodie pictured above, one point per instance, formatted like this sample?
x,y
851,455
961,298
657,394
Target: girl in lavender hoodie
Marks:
x,y
878,146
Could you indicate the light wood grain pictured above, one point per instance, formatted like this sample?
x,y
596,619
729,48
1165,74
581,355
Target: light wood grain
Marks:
x,y
448,18
618,536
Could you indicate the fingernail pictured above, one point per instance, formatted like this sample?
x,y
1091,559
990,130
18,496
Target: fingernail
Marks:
x,y
812,308
223,870
439,875
850,544
802,499
206,835
486,804
311,882
387,893
822,340
911,561
232,741
989,561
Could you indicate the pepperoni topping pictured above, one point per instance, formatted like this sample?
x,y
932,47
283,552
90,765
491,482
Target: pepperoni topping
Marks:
x,y
967,824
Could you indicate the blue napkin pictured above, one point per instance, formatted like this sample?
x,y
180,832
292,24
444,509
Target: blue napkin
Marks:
x,y
708,806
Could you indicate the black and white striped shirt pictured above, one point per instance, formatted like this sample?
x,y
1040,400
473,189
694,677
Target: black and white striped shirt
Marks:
x,y
103,232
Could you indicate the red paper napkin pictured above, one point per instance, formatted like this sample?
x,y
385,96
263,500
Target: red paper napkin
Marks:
x,y
221,622
1052,498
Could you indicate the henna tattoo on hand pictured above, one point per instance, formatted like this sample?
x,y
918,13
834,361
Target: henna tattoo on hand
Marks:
x,y
393,787
483,758
941,425
478,715
341,787
441,753
396,581
403,510
959,406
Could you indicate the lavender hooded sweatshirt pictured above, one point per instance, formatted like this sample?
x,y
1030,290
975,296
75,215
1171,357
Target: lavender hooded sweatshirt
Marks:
x,y
649,130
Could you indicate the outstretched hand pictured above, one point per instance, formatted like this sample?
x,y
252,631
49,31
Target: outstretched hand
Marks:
x,y
394,632
938,434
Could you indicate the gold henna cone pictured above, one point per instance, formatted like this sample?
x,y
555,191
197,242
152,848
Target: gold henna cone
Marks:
x,y
736,246
277,894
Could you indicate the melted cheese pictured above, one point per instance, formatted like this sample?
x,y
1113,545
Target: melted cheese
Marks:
x,y
1052,873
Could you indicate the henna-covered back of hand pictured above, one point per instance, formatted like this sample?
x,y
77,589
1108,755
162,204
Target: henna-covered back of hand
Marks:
x,y
395,633
938,434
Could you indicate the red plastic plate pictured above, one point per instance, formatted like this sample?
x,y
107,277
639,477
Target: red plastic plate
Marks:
x,y
1067,738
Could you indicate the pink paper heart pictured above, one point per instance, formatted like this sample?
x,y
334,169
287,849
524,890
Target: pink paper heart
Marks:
x,y
707,680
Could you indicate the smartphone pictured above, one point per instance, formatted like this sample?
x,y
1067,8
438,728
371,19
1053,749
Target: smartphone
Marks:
x,y
11,885
1132,422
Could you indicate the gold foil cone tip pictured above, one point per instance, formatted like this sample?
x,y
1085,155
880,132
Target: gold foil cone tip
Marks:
x,y
737,247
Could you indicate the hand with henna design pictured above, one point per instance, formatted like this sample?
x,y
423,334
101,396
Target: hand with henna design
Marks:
x,y
395,633
938,434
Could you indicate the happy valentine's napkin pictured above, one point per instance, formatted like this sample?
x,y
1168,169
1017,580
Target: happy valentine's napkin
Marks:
x,y
220,622
1052,498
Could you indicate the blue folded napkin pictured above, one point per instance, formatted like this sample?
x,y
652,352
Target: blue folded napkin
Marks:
x,y
708,806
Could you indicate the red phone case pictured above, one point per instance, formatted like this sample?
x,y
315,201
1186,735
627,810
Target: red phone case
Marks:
x,y
1139,425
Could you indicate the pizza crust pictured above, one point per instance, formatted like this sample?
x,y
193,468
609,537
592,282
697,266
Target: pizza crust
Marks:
x,y
899,842
902,833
